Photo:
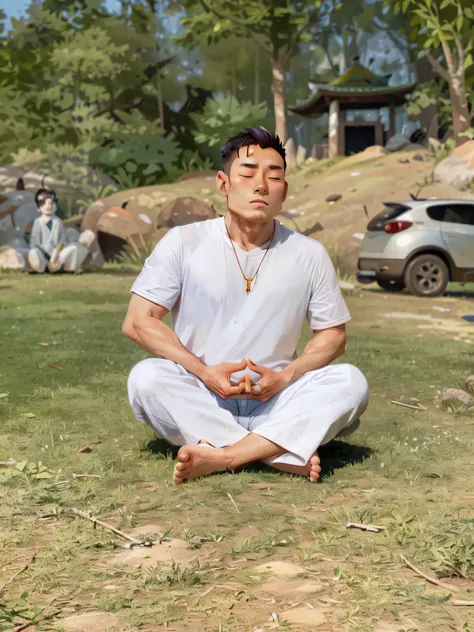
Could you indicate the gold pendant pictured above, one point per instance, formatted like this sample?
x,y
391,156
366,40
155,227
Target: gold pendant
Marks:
x,y
249,285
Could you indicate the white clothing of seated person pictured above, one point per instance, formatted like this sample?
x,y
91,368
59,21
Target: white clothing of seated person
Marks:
x,y
52,246
228,386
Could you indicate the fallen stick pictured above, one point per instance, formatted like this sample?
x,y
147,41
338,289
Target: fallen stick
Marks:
x,y
72,511
56,366
460,602
206,592
15,575
86,476
449,587
418,407
364,527
233,502
35,621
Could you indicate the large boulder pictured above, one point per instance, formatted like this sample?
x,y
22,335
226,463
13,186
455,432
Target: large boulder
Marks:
x,y
11,259
10,174
185,210
17,214
458,168
397,142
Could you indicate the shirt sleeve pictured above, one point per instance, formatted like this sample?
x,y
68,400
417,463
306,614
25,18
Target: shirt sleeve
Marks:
x,y
327,307
160,280
36,237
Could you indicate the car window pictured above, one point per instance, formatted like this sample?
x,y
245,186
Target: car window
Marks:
x,y
453,213
391,211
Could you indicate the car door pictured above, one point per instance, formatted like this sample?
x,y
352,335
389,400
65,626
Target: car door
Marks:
x,y
457,230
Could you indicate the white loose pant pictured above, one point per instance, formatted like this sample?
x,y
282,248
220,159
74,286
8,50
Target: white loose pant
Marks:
x,y
306,414
70,258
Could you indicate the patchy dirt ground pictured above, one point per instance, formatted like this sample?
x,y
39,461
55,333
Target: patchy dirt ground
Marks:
x,y
256,550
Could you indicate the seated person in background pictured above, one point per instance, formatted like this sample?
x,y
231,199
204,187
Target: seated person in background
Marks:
x,y
228,386
52,247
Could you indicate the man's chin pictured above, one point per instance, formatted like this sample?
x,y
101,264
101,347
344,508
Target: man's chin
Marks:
x,y
257,215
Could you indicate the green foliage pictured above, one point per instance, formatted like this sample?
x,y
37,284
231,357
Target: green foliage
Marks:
x,y
426,94
224,117
139,161
83,88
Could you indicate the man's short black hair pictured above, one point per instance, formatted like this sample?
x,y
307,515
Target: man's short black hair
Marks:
x,y
252,136
42,194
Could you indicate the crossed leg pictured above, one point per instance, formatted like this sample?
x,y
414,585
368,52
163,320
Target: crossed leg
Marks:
x,y
284,432
200,460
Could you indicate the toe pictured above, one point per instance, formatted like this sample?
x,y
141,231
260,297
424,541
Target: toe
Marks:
x,y
183,455
180,467
313,477
315,460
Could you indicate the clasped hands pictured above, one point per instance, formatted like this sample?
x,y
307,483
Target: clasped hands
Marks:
x,y
217,379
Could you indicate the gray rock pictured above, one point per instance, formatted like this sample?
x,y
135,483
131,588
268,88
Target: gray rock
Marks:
x,y
418,157
457,394
458,168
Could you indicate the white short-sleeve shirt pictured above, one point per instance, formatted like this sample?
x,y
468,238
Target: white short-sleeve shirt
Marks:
x,y
193,273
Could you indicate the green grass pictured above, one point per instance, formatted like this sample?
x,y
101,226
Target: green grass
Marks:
x,y
410,471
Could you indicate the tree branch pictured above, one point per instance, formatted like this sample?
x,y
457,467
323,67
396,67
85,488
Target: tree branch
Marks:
x,y
461,55
149,73
448,56
442,72
311,21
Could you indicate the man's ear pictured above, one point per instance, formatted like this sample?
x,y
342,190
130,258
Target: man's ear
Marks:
x,y
285,191
222,183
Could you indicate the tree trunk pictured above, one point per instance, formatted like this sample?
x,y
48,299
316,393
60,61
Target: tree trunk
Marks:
x,y
257,77
460,108
278,89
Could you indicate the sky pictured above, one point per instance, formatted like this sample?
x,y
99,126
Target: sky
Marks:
x,y
16,8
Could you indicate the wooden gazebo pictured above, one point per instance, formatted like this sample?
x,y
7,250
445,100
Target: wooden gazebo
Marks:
x,y
357,89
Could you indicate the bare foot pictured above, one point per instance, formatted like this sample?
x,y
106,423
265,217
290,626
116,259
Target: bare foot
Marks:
x,y
311,469
199,460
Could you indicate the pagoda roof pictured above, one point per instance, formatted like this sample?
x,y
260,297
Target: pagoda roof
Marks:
x,y
357,88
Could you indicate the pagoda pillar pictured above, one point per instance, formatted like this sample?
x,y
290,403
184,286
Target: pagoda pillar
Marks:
x,y
391,125
334,129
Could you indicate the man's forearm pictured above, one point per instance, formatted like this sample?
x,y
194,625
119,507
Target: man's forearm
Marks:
x,y
320,351
160,340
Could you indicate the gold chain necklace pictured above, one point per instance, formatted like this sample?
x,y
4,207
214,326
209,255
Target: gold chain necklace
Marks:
x,y
249,280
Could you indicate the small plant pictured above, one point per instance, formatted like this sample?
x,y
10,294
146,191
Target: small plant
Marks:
x,y
136,257
173,576
28,472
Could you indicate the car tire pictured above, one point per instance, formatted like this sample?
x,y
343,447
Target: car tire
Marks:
x,y
426,275
391,286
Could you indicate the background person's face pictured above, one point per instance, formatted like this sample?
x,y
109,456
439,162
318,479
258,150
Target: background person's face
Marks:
x,y
47,206
256,187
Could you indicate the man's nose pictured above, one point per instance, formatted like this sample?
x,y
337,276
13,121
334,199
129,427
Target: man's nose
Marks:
x,y
262,188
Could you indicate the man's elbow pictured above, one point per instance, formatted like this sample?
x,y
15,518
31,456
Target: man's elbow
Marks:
x,y
128,329
342,348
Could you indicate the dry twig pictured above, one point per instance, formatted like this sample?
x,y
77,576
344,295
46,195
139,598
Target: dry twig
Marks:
x,y
15,575
460,602
449,587
418,407
73,512
364,527
233,502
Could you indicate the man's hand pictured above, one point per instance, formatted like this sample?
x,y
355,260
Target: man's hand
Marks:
x,y
272,382
217,378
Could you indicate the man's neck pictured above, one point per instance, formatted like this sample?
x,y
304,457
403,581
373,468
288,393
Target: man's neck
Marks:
x,y
248,235
46,218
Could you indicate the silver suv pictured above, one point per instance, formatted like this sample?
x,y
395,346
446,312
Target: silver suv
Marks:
x,y
421,245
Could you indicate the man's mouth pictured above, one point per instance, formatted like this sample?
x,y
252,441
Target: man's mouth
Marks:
x,y
259,202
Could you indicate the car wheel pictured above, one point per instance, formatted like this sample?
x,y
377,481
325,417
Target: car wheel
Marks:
x,y
426,275
391,286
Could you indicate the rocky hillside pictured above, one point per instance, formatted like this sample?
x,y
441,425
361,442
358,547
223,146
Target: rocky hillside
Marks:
x,y
330,192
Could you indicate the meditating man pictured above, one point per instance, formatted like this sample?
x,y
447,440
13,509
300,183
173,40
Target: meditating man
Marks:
x,y
228,386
